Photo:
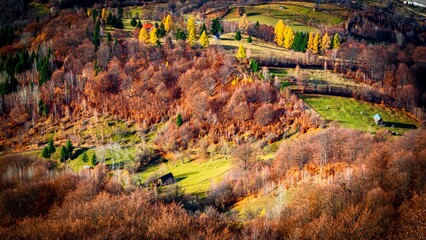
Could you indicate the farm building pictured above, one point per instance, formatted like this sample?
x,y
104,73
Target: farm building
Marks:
x,y
378,119
166,179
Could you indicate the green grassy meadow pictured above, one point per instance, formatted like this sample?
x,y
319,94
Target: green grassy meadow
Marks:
x,y
357,114
195,176
292,14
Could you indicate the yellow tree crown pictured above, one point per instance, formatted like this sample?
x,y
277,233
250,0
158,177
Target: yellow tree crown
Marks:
x,y
143,35
204,40
153,36
168,22
241,54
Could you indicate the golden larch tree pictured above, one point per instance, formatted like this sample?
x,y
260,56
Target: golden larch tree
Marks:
x,y
288,37
153,36
311,41
243,24
241,54
190,25
279,33
168,22
336,41
316,44
143,35
204,39
104,14
192,37
325,42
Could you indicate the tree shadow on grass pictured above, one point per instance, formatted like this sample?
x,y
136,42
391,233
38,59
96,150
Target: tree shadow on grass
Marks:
x,y
253,14
400,125
178,179
78,152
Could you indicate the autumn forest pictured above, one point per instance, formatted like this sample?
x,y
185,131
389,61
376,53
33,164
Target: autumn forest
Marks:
x,y
204,119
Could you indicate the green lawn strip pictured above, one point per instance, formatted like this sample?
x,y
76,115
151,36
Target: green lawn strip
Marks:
x,y
358,114
195,177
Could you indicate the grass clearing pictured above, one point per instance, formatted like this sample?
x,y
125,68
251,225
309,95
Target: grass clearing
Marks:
x,y
326,77
358,114
292,13
265,203
256,48
195,176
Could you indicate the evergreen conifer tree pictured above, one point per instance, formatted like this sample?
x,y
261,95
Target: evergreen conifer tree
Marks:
x,y
249,40
133,22
46,152
180,34
51,146
94,159
63,156
305,41
84,157
237,35
202,29
69,148
179,120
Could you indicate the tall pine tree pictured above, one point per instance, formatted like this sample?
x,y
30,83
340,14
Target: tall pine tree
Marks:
x,y
94,159
298,41
305,41
84,157
202,29
237,35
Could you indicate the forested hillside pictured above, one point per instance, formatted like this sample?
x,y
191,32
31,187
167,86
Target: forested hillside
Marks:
x,y
212,120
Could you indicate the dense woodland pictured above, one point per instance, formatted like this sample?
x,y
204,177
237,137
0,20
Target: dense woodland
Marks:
x,y
77,62
373,189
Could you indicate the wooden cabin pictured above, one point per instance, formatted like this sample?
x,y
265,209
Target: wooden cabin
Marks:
x,y
166,179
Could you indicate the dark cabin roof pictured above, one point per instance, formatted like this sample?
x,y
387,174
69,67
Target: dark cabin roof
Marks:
x,y
166,178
